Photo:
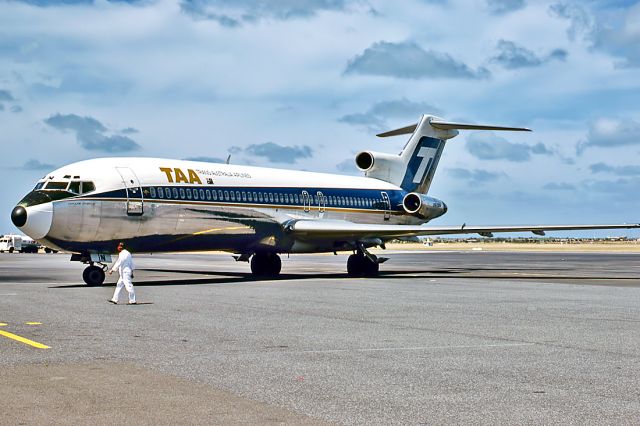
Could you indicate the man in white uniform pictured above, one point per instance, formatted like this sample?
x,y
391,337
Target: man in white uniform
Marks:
x,y
125,268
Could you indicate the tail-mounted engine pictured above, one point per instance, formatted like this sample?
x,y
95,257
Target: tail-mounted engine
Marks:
x,y
378,165
423,206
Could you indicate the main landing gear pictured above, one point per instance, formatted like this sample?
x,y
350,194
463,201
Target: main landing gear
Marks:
x,y
364,264
266,264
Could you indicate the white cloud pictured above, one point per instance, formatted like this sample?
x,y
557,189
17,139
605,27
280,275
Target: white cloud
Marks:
x,y
408,60
611,133
194,88
488,146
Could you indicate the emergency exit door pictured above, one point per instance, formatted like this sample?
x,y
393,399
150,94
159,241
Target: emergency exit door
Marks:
x,y
135,202
386,205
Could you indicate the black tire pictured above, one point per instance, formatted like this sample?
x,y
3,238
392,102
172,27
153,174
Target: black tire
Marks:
x,y
257,265
371,269
355,265
93,276
359,266
275,265
47,250
266,265
11,249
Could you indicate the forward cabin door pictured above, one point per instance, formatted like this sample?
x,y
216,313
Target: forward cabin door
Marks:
x,y
306,201
135,202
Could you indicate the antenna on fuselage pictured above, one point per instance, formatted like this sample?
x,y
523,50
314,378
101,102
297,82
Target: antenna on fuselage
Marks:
x,y
228,159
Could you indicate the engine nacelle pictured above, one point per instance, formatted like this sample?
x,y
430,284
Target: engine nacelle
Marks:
x,y
378,165
423,206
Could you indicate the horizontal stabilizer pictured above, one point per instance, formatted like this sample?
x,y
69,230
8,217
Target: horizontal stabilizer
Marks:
x,y
445,125
402,131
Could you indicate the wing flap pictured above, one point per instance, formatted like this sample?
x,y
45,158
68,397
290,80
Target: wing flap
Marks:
x,y
349,230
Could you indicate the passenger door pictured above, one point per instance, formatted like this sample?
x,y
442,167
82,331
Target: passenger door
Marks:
x,y
306,201
135,202
322,202
387,205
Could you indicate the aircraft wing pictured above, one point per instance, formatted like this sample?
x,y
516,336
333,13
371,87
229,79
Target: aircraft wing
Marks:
x,y
339,229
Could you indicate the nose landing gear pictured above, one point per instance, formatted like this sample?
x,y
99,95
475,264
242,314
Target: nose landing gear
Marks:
x,y
93,275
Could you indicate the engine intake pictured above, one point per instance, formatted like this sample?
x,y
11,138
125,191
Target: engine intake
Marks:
x,y
378,165
365,161
423,206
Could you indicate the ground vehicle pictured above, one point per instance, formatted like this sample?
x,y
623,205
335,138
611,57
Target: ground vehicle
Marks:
x,y
10,243
29,245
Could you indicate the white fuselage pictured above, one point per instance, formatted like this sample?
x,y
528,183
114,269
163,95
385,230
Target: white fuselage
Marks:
x,y
158,205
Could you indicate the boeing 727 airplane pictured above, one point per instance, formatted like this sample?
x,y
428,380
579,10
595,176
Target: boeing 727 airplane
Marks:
x,y
158,205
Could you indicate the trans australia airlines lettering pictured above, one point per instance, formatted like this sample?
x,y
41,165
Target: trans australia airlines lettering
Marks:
x,y
180,176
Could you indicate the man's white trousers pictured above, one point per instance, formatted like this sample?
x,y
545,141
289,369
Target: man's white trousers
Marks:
x,y
125,281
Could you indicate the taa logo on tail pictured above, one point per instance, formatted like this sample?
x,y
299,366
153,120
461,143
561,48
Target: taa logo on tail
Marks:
x,y
426,154
422,163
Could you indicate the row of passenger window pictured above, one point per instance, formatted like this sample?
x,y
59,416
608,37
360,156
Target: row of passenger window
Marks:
x,y
260,197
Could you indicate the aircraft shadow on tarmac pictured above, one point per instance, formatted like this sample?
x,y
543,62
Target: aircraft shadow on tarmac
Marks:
x,y
225,277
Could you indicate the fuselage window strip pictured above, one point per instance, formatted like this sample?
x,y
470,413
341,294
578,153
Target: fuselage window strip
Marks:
x,y
335,198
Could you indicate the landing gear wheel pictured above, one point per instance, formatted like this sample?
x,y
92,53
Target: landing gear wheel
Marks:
x,y
354,265
359,265
371,269
93,276
266,264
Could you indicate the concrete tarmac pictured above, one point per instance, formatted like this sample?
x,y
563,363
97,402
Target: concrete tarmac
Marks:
x,y
439,337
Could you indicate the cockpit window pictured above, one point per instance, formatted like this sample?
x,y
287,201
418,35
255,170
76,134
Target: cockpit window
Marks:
x,y
74,187
88,187
56,185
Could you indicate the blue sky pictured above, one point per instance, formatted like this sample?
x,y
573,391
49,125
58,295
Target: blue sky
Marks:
x,y
305,85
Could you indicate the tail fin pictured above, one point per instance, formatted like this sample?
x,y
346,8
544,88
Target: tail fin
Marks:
x,y
421,154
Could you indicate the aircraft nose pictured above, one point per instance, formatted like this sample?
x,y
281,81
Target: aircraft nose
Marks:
x,y
35,221
19,216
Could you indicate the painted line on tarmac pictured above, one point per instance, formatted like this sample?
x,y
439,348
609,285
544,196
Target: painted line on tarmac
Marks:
x,y
33,323
413,348
23,340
